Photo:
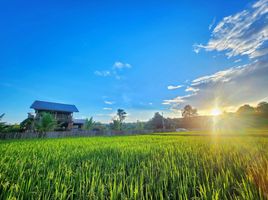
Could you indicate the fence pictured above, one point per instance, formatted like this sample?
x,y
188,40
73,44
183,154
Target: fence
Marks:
x,y
74,133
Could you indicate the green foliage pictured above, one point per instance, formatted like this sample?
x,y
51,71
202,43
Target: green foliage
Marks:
x,y
115,125
2,124
121,115
101,127
27,124
45,123
136,167
262,108
246,110
157,122
89,124
14,128
139,126
6,128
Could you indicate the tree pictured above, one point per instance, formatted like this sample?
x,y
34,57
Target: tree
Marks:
x,y
89,124
189,111
99,126
139,125
45,123
12,128
262,108
245,110
170,123
121,115
27,124
157,122
115,125
118,119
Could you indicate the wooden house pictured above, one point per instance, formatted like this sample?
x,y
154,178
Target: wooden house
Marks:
x,y
63,113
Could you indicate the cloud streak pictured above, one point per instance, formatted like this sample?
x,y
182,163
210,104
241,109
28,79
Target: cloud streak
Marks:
x,y
109,102
105,108
172,87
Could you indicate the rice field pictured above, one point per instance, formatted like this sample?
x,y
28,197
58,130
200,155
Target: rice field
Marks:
x,y
135,167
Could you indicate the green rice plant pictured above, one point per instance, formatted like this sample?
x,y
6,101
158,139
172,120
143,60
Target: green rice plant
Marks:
x,y
135,167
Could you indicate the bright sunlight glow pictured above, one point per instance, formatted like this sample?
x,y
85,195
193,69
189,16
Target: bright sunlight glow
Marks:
x,y
215,112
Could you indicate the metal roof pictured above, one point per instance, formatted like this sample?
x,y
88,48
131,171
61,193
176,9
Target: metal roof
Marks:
x,y
51,106
79,121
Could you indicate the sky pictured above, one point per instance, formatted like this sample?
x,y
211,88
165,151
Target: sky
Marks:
x,y
141,56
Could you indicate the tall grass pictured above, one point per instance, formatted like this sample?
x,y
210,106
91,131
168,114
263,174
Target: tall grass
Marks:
x,y
135,167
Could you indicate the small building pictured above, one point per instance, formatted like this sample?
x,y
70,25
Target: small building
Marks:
x,y
63,113
78,123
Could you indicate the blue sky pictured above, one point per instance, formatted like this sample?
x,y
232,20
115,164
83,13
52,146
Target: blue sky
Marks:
x,y
142,56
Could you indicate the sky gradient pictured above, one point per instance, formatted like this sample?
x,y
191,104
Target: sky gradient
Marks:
x,y
141,56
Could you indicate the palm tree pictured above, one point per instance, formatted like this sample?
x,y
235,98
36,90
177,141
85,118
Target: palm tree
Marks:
x,y
89,124
46,123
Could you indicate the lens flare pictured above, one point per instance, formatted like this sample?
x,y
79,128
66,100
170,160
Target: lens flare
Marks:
x,y
215,112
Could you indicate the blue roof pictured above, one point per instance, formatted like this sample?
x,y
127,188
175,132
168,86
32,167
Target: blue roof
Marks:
x,y
50,106
79,121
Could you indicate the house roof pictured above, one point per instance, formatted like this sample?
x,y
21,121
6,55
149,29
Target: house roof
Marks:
x,y
51,106
79,121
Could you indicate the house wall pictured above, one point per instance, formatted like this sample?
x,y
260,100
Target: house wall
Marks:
x,y
62,117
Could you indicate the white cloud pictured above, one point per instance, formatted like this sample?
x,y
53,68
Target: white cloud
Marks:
x,y
121,65
103,73
172,87
177,100
109,102
212,24
197,48
115,70
244,33
191,89
237,60
107,108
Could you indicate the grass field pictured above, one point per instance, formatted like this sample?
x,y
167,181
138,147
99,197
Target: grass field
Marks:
x,y
135,167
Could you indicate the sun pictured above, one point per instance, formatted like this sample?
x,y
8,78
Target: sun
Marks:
x,y
215,112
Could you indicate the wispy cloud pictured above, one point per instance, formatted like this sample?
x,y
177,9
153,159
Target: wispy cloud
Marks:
x,y
121,65
103,73
211,25
174,87
241,34
107,108
237,60
177,100
109,102
244,33
115,70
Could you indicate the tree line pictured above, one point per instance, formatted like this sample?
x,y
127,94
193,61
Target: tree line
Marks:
x,y
255,116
